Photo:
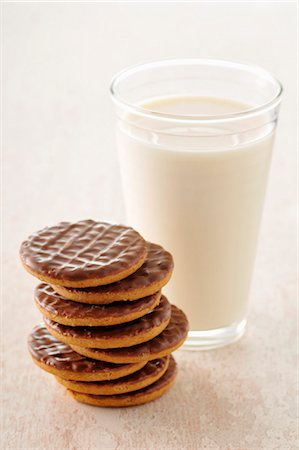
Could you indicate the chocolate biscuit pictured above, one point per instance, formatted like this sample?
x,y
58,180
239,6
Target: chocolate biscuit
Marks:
x,y
148,279
116,336
61,360
66,312
83,254
149,374
165,343
139,397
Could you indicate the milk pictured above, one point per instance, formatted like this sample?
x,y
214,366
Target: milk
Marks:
x,y
200,195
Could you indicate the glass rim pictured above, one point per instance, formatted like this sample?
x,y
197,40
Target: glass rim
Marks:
x,y
198,118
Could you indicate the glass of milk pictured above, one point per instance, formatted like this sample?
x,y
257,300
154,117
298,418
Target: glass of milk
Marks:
x,y
195,139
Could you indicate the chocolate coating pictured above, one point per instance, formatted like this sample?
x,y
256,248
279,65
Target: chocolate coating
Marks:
x,y
139,326
173,334
82,250
56,305
47,349
156,267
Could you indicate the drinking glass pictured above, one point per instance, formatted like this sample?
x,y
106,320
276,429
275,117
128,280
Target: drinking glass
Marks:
x,y
195,138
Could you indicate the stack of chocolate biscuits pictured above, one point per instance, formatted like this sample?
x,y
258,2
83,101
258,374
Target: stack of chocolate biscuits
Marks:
x,y
108,332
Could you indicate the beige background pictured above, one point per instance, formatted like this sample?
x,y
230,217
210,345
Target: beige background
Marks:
x,y
59,162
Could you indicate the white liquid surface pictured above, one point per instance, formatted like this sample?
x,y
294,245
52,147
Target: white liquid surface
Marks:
x,y
202,199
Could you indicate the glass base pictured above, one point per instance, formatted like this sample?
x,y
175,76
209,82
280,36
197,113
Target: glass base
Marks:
x,y
209,339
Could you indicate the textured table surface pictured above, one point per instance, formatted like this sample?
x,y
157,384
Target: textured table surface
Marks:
x,y
60,163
